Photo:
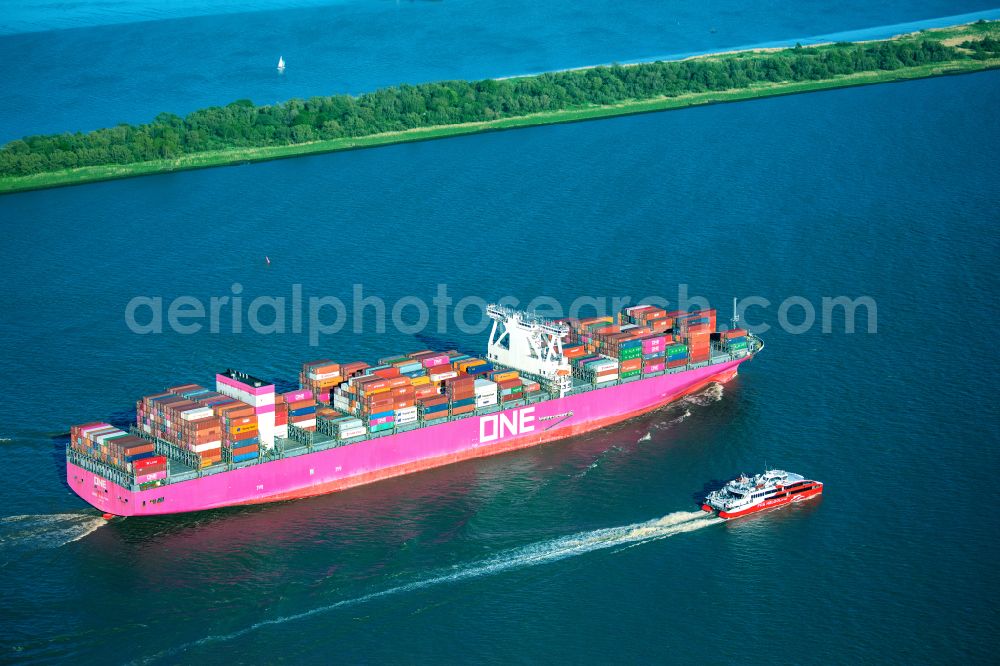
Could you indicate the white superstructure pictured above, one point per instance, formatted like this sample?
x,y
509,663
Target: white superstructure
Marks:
x,y
529,343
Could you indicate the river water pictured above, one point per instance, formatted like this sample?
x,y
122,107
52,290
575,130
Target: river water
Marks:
x,y
588,550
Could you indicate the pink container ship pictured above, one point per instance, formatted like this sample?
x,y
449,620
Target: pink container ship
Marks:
x,y
194,448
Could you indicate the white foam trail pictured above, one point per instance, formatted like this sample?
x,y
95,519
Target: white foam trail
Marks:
x,y
46,530
5,439
713,393
679,419
645,438
531,555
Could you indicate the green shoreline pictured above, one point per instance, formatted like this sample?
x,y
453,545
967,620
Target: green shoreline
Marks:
x,y
238,156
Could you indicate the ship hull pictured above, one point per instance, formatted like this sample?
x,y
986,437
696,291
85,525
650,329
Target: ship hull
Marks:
x,y
372,460
767,504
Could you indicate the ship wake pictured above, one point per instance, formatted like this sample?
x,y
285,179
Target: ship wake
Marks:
x,y
35,532
543,552
712,393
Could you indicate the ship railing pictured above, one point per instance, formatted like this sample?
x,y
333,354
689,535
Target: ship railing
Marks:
x,y
101,468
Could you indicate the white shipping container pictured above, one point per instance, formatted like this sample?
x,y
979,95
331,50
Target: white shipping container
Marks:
x,y
485,400
281,431
403,420
208,446
103,439
406,411
435,377
196,413
353,432
485,387
323,375
348,425
305,424
606,378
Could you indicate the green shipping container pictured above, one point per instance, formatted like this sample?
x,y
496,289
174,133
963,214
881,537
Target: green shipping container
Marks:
x,y
630,373
380,427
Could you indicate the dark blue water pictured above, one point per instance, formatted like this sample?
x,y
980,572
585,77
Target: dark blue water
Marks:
x,y
97,76
546,554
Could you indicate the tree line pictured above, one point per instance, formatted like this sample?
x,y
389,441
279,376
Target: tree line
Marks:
x,y
402,107
983,49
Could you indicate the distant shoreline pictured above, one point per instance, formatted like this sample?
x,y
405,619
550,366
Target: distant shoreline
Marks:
x,y
962,63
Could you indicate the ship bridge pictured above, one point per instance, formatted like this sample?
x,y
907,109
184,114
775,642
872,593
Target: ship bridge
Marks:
x,y
530,343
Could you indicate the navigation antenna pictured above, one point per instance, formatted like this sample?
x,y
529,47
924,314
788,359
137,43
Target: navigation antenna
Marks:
x,y
736,316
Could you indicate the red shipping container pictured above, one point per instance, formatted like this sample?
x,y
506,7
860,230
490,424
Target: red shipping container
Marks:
x,y
403,392
631,364
185,388
425,391
148,462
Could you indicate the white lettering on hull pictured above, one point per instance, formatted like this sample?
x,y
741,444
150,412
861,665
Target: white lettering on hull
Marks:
x,y
497,426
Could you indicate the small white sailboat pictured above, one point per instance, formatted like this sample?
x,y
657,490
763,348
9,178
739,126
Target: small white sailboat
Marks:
x,y
281,63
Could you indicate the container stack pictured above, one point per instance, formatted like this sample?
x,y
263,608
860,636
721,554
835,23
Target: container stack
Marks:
x,y
654,354
280,417
321,377
735,341
629,358
596,369
128,453
486,393
510,389
677,355
301,409
461,392
530,387
240,434
656,319
697,335
433,407
376,402
184,416
348,427
151,471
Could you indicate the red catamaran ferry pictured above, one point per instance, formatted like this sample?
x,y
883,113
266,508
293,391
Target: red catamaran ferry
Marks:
x,y
744,495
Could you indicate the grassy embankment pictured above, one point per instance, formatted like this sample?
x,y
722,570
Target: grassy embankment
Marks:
x,y
949,36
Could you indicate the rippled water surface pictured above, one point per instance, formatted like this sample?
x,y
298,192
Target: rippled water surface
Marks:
x,y
588,550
